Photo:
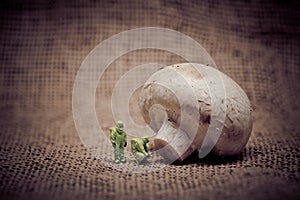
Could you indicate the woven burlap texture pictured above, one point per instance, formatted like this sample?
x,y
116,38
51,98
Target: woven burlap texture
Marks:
x,y
42,45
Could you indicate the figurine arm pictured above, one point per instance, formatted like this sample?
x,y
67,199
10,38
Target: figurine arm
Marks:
x,y
147,148
143,150
125,140
112,136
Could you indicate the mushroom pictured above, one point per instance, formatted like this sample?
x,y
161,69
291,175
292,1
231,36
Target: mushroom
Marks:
x,y
195,107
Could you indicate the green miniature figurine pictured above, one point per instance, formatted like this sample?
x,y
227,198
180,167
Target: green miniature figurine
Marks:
x,y
140,149
118,140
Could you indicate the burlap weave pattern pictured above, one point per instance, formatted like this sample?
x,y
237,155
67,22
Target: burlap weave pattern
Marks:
x,y
42,45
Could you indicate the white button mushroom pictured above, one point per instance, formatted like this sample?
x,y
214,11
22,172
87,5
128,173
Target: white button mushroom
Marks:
x,y
182,101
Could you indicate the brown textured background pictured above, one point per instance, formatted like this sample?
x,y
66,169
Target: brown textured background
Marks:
x,y
42,45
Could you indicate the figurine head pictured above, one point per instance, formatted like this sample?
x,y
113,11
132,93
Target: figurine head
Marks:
x,y
120,125
146,139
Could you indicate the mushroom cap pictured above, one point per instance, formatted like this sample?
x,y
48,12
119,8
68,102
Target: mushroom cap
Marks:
x,y
181,102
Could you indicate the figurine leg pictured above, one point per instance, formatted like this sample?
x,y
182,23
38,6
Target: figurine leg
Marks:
x,y
140,157
116,155
122,159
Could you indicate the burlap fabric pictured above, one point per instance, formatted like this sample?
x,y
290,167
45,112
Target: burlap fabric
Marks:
x,y
42,45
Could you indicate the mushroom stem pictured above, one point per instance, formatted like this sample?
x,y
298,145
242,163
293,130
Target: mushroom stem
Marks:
x,y
172,143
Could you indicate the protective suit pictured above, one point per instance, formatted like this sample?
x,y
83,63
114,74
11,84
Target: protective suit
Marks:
x,y
118,140
140,149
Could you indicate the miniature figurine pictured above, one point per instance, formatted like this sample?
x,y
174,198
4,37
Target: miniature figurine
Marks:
x,y
141,149
118,140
